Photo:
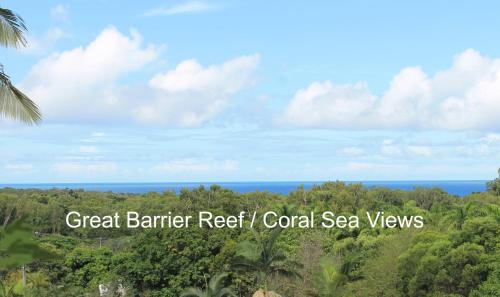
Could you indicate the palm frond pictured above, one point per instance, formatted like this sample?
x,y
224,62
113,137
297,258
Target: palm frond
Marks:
x,y
217,282
244,264
225,293
249,250
286,272
278,256
12,29
215,288
193,292
15,104
269,244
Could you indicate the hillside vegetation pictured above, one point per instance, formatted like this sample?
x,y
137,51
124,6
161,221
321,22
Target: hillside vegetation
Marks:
x,y
455,254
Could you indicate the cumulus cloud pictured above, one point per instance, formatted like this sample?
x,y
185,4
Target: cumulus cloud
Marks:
x,y
83,84
78,84
191,94
466,96
181,8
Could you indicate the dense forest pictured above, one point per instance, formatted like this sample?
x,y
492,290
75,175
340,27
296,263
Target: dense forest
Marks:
x,y
456,253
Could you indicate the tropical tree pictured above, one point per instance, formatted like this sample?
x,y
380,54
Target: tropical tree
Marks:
x,y
263,258
14,104
494,185
459,214
330,278
215,288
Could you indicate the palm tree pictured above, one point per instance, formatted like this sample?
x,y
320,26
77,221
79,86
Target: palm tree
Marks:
x,y
14,104
333,274
263,258
215,288
459,215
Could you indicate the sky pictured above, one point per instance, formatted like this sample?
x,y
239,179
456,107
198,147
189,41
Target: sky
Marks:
x,y
187,90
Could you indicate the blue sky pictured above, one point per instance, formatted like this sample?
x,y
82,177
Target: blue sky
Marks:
x,y
255,90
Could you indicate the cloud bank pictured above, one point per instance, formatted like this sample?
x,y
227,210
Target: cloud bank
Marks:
x,y
466,96
85,84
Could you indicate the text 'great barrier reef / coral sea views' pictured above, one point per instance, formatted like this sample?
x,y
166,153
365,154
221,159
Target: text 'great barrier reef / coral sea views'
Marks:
x,y
206,148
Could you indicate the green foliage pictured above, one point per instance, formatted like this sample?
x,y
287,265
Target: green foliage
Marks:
x,y
170,260
491,287
89,266
19,247
331,277
215,288
455,254
6,291
434,264
263,258
380,274
494,185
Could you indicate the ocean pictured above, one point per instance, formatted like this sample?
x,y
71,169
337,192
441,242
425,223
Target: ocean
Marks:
x,y
459,188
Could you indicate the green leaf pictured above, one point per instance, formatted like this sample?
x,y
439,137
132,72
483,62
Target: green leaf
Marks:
x,y
19,247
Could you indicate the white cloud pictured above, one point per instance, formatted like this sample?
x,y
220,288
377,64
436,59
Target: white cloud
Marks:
x,y
59,13
78,84
466,96
181,8
325,104
191,94
19,168
196,166
83,84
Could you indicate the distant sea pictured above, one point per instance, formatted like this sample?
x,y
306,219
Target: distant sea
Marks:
x,y
459,188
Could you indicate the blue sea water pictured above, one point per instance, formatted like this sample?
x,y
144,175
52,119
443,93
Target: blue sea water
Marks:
x,y
459,188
